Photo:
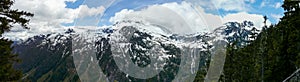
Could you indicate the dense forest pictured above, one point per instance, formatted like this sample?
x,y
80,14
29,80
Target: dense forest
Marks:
x,y
273,56
8,18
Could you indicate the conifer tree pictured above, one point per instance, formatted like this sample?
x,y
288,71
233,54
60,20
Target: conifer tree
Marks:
x,y
8,18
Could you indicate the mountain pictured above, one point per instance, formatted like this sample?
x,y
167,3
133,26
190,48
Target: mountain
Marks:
x,y
61,57
240,33
46,58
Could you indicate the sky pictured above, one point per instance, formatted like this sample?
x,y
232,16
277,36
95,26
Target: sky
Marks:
x,y
56,16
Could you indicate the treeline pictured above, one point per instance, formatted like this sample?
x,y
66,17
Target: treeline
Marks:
x,y
8,18
273,56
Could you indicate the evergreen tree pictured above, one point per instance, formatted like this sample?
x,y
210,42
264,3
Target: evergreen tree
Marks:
x,y
289,26
274,54
9,17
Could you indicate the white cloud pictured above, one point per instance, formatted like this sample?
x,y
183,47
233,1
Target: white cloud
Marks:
x,y
267,3
276,16
195,16
179,18
48,16
227,5
277,5
86,11
242,16
231,5
263,4
250,1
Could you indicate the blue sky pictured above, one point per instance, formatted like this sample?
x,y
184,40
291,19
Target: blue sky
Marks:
x,y
55,16
262,7
118,6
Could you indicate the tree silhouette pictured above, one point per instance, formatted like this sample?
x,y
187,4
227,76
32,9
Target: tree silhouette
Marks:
x,y
8,18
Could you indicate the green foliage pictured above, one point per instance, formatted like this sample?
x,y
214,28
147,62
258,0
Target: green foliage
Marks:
x,y
241,64
47,65
9,17
7,72
273,56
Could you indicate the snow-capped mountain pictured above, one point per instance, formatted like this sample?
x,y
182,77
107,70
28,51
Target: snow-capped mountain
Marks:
x,y
241,33
145,44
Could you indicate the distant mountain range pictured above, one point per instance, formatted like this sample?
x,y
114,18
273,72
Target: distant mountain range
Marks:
x,y
49,57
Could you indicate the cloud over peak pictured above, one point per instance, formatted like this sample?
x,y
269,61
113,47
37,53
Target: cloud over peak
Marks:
x,y
49,15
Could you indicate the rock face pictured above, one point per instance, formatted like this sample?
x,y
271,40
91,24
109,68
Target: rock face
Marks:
x,y
49,57
46,58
